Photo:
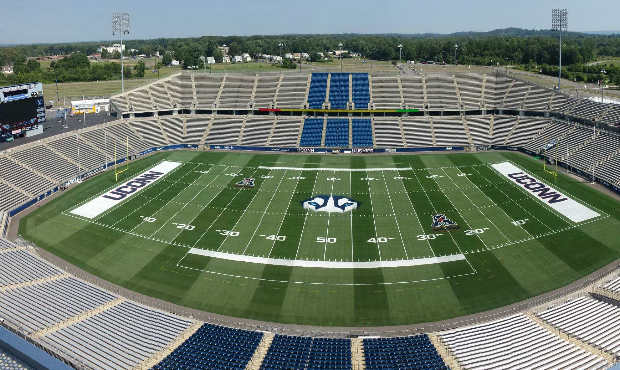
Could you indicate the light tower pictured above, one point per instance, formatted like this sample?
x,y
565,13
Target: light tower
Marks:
x,y
559,22
120,25
340,54
456,48
400,58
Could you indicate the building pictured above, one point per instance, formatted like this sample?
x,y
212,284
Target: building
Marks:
x,y
237,59
7,70
175,62
111,49
210,60
246,57
90,106
224,49
225,59
288,56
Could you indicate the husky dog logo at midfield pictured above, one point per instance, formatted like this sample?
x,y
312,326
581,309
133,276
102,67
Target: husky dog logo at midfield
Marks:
x,y
330,204
443,223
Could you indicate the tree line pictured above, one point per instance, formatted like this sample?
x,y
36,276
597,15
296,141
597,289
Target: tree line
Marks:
x,y
534,49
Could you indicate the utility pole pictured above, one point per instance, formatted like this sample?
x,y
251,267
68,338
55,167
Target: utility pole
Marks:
x,y
559,22
340,53
120,25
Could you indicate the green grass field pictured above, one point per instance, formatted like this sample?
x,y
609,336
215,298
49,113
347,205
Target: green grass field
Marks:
x,y
194,239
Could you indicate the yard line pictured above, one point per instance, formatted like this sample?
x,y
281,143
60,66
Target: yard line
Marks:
x,y
395,217
134,211
221,213
194,197
328,217
286,213
415,212
517,203
158,196
372,209
261,217
306,219
435,210
474,204
351,216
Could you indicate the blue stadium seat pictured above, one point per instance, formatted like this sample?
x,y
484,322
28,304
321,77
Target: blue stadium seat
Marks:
x,y
410,353
362,133
318,90
300,353
337,133
312,132
339,90
361,90
214,347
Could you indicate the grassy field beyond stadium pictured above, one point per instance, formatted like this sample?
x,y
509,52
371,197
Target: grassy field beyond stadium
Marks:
x,y
194,239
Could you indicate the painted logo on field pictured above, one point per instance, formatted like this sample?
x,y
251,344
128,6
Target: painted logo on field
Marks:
x,y
119,194
247,183
330,204
546,194
442,223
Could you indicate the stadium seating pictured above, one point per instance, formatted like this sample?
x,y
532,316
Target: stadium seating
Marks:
x,y
292,91
336,133
588,319
339,90
413,92
362,133
361,92
8,362
312,132
298,353
256,131
417,132
318,90
387,133
213,347
286,132
516,342
411,353
385,92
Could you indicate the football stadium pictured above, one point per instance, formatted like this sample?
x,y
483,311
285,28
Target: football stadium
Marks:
x,y
312,219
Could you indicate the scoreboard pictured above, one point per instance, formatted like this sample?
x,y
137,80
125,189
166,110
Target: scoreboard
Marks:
x,y
22,107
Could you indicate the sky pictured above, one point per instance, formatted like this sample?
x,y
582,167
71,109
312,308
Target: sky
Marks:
x,y
36,21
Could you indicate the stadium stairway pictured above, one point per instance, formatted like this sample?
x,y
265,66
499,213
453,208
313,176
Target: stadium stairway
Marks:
x,y
156,358
609,357
444,352
75,319
260,353
357,354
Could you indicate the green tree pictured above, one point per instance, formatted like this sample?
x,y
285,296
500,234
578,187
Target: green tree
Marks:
x,y
32,65
105,54
166,59
116,55
127,72
140,68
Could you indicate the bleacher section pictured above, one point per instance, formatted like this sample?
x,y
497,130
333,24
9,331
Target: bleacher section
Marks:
x,y
590,320
213,347
312,132
207,88
336,133
361,93
362,133
417,132
338,91
385,92
516,342
300,353
318,90
410,353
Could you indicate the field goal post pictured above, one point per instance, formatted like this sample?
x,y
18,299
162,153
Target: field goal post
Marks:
x,y
116,171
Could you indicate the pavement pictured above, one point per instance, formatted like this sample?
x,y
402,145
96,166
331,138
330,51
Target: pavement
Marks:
x,y
53,127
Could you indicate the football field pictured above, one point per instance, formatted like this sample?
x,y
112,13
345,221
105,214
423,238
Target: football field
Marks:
x,y
333,240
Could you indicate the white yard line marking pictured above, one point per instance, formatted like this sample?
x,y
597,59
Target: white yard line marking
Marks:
x,y
478,208
284,217
395,217
435,210
261,217
416,213
326,264
221,213
374,221
301,236
517,203
333,169
351,215
194,197
162,207
328,218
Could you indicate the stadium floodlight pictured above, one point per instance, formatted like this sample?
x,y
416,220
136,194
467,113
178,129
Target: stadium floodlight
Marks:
x,y
400,58
280,45
559,22
120,25
456,47
340,52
